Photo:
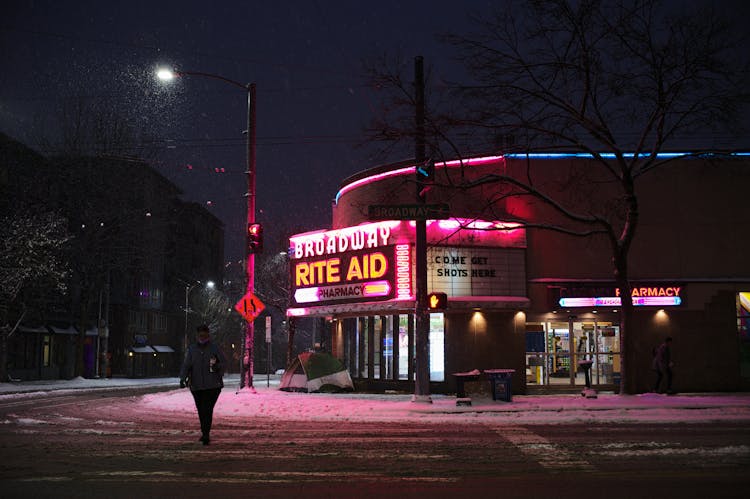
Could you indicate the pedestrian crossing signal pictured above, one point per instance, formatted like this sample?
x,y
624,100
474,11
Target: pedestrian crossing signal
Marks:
x,y
437,301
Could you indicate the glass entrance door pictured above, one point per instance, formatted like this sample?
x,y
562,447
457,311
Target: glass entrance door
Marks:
x,y
584,341
558,353
607,354
555,359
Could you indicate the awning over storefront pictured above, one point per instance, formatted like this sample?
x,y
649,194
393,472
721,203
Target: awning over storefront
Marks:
x,y
162,348
406,307
68,330
395,307
32,329
143,349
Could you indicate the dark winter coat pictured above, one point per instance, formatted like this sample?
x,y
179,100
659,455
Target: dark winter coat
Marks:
x,y
195,371
663,357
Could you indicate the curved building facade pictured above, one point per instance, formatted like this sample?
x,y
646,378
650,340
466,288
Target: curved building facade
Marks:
x,y
521,296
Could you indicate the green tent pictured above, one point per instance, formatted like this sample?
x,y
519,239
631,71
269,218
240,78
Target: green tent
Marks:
x,y
316,372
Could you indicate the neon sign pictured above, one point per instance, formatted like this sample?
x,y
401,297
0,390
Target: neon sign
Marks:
x,y
374,289
373,262
615,301
368,266
409,170
369,262
412,169
650,291
330,242
641,295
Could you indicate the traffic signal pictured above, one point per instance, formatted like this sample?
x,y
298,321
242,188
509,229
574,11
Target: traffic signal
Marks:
x,y
254,238
437,301
426,172
425,178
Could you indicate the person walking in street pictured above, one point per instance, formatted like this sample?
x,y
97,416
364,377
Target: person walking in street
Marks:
x,y
662,364
202,371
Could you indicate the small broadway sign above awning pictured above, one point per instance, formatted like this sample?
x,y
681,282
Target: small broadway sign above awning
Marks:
x,y
376,212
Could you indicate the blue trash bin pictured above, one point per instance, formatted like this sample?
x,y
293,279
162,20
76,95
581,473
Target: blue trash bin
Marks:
x,y
500,383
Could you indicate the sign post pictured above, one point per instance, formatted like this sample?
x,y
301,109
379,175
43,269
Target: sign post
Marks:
x,y
249,307
268,350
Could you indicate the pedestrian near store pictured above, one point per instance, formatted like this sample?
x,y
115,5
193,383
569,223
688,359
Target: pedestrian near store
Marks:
x,y
202,371
662,364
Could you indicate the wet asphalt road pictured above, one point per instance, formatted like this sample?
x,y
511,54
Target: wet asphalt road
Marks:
x,y
91,445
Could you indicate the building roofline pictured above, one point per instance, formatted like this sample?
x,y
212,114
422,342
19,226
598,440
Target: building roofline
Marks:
x,y
407,166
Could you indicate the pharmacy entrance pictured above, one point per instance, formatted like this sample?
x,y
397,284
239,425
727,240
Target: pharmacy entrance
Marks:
x,y
554,350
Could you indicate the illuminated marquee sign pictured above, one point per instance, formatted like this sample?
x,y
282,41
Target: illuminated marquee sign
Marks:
x,y
370,262
460,271
657,296
374,262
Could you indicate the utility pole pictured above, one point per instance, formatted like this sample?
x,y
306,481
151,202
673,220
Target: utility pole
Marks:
x,y
422,320
246,377
104,332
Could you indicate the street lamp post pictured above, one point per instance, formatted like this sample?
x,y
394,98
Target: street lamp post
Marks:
x,y
246,379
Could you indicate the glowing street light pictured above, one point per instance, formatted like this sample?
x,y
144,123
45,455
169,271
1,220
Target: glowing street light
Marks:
x,y
166,74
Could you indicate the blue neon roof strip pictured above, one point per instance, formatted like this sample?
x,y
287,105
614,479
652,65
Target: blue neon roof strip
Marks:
x,y
609,155
564,155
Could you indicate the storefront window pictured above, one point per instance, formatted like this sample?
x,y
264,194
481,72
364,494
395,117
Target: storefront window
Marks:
x,y
350,345
743,332
46,348
555,349
388,348
24,351
404,348
377,332
382,347
362,344
437,347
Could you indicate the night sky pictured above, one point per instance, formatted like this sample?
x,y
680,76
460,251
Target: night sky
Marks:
x,y
306,57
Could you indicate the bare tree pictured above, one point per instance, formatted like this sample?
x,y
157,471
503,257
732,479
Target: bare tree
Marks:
x,y
214,309
30,257
93,127
601,78
274,289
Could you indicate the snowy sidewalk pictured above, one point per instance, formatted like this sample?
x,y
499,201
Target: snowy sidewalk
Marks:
x,y
268,401
50,385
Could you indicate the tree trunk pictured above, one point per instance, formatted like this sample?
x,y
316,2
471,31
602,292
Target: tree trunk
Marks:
x,y
80,345
627,380
6,331
4,374
4,336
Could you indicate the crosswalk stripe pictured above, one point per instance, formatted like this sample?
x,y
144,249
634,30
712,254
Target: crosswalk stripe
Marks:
x,y
547,454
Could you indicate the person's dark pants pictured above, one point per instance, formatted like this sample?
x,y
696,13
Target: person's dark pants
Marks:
x,y
205,400
660,375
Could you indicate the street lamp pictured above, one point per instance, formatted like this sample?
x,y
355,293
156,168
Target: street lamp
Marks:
x,y
188,289
169,74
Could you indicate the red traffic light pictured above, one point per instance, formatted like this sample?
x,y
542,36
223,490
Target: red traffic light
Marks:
x,y
437,301
254,238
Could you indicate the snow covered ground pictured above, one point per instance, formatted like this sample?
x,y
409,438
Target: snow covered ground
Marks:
x,y
269,402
